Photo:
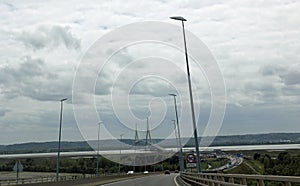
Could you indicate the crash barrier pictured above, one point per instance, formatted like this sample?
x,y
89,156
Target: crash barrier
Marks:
x,y
213,179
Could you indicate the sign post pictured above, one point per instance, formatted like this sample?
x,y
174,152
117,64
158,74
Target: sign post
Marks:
x,y
18,168
191,160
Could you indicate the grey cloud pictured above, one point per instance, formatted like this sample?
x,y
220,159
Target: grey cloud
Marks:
x,y
258,118
264,33
50,37
280,81
263,87
32,79
3,112
291,78
155,87
255,92
110,71
103,87
269,70
26,70
148,86
10,6
291,90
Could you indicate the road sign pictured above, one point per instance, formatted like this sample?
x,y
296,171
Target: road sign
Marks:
x,y
18,167
191,165
191,158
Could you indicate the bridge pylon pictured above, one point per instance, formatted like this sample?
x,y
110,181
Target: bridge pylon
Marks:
x,y
148,136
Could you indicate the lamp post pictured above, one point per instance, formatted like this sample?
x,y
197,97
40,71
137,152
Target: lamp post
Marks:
x,y
97,168
121,135
174,123
181,164
179,18
59,137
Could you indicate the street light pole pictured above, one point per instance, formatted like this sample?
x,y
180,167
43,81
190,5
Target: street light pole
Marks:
x,y
120,154
181,164
191,94
59,138
97,168
177,143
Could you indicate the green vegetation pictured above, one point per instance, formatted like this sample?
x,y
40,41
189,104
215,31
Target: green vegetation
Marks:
x,y
44,147
257,166
84,165
242,169
255,162
251,139
214,163
286,163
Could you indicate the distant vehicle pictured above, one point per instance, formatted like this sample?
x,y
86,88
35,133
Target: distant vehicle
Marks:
x,y
130,172
176,171
146,172
167,172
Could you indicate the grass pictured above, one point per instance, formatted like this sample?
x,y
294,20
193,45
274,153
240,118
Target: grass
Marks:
x,y
215,163
257,165
242,169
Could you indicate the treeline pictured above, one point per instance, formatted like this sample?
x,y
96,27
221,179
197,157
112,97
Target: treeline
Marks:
x,y
40,147
85,165
250,139
285,164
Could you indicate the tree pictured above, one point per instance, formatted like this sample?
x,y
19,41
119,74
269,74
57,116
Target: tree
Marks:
x,y
256,156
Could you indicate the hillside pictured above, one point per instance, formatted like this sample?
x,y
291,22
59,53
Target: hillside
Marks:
x,y
252,139
248,139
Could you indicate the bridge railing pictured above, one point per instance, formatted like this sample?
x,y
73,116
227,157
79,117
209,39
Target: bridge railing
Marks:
x,y
213,179
22,181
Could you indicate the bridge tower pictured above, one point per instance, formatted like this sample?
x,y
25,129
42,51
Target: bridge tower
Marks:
x,y
148,136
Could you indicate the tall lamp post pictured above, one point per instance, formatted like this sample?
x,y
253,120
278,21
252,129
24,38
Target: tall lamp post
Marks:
x,y
177,143
181,164
59,137
179,18
120,154
97,168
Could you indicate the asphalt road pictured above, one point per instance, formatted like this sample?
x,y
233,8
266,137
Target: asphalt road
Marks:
x,y
160,179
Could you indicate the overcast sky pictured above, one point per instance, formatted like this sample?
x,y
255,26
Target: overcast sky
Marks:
x,y
42,44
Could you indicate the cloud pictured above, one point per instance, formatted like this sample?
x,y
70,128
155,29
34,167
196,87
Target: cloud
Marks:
x,y
49,37
3,112
32,78
270,70
26,70
285,81
260,118
292,78
152,86
291,88
255,44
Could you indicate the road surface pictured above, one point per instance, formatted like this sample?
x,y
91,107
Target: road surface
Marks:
x,y
160,179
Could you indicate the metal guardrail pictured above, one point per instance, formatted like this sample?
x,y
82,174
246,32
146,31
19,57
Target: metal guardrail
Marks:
x,y
23,181
213,179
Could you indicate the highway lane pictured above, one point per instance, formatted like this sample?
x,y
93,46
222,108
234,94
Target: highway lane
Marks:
x,y
160,179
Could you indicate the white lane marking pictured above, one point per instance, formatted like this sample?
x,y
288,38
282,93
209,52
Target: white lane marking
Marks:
x,y
176,181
